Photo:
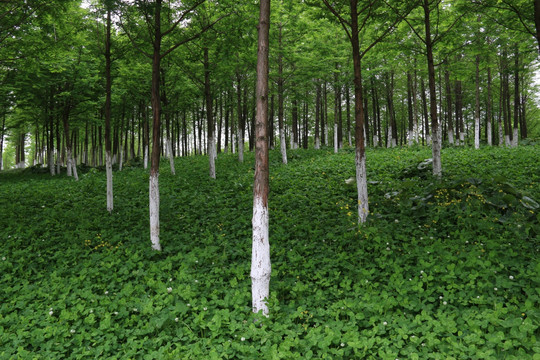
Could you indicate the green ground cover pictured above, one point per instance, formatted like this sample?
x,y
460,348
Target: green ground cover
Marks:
x,y
444,269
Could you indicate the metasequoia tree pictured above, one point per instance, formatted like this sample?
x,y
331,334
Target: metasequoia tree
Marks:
x,y
260,256
152,12
359,15
429,39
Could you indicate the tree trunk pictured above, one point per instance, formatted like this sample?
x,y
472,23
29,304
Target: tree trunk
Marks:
x,y
2,141
108,86
426,136
477,106
489,116
435,137
516,99
260,258
280,83
240,133
156,111
317,140
449,113
410,132
294,116
209,116
537,21
360,156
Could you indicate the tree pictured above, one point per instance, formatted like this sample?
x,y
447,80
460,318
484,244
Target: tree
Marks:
x,y
260,258
353,27
152,13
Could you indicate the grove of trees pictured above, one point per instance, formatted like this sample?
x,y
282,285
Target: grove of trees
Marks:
x,y
106,82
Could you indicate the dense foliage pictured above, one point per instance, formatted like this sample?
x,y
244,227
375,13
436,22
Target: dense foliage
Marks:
x,y
445,269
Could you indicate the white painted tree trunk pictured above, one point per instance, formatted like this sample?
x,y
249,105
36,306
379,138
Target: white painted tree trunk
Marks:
x,y
283,146
71,165
145,157
68,165
515,138
171,157
233,144
361,186
436,153
390,140
489,136
451,136
375,140
326,133
507,141
501,136
108,169
240,147
51,163
477,133
154,211
212,153
122,159
336,147
317,144
260,257
58,162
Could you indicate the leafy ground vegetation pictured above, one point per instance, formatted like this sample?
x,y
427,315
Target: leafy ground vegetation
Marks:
x,y
444,269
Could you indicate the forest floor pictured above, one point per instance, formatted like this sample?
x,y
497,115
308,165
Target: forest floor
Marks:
x,y
443,269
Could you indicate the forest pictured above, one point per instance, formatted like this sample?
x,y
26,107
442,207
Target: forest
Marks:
x,y
267,125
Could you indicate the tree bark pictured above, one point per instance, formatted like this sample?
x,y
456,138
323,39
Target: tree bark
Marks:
x,y
280,83
435,133
516,99
360,154
156,151
489,120
317,140
449,114
209,116
260,258
241,126
108,86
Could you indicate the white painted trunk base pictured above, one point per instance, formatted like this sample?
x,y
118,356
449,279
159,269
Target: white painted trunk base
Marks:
x,y
375,140
212,153
507,140
154,211
477,133
326,134
451,137
122,160
51,163
260,257
336,147
317,145
361,186
108,169
145,157
283,146
515,138
489,136
436,153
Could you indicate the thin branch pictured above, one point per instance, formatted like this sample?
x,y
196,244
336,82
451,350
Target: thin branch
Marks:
x,y
191,38
344,23
182,17
148,55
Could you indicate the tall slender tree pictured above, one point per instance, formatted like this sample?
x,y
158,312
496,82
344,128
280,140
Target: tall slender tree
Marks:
x,y
260,258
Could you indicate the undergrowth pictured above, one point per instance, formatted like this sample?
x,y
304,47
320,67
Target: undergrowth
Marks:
x,y
443,269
